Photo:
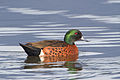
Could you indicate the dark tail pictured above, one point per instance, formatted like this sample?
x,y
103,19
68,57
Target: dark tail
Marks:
x,y
31,51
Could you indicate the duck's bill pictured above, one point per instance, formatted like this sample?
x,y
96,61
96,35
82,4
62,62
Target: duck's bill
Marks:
x,y
82,39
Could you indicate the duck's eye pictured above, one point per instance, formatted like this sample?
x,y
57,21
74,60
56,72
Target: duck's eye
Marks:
x,y
76,33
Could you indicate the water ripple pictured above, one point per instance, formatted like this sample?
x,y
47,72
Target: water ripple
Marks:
x,y
114,19
113,1
35,12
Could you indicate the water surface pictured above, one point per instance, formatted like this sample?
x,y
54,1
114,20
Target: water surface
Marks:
x,y
33,20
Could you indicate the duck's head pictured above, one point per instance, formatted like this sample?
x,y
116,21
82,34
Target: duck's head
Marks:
x,y
73,35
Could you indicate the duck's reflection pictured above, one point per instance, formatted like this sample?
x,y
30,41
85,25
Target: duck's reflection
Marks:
x,y
54,62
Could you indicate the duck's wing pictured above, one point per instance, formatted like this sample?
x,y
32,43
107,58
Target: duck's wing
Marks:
x,y
45,43
34,48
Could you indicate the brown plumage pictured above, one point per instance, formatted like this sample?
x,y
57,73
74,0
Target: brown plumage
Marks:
x,y
45,43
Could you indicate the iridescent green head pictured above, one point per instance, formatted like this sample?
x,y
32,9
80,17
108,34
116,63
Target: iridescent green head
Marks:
x,y
72,35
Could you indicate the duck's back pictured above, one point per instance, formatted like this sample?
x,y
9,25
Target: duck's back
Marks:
x,y
46,43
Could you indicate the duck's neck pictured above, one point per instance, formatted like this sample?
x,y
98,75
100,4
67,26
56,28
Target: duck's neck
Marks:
x,y
68,40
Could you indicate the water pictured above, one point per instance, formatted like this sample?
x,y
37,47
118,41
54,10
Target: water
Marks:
x,y
36,20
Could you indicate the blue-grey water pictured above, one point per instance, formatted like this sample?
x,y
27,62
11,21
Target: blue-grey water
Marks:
x,y
36,20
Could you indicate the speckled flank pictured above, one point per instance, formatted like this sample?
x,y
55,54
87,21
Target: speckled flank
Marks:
x,y
60,51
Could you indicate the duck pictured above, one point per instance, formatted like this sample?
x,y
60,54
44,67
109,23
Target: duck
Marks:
x,y
55,47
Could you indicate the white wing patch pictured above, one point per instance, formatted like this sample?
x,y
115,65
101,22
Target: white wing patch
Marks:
x,y
41,53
